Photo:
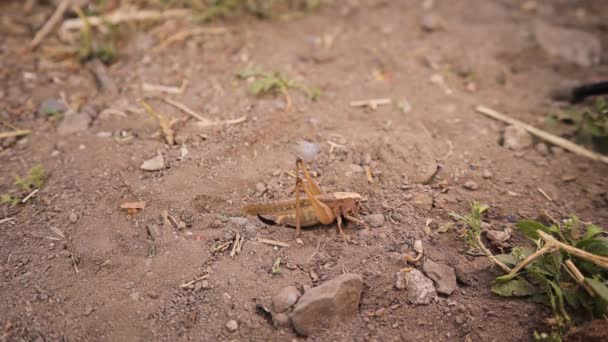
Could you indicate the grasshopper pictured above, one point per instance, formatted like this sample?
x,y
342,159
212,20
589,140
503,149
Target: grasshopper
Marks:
x,y
317,207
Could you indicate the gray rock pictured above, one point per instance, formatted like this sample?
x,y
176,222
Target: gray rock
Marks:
x,y
154,231
285,298
420,289
374,220
232,325
135,296
51,107
281,320
516,138
356,168
574,46
73,217
239,221
327,304
432,22
153,164
307,150
443,276
542,149
74,123
400,280
260,187
470,185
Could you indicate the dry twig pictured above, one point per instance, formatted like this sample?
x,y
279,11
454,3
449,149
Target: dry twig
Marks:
x,y
122,15
371,103
182,35
48,26
273,242
553,139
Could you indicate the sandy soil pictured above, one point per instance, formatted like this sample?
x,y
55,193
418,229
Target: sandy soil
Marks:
x,y
115,276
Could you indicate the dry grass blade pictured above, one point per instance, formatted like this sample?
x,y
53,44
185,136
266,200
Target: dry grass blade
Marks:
x,y
182,35
186,110
164,89
163,121
195,280
222,122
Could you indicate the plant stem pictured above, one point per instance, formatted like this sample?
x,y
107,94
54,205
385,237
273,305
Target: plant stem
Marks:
x,y
491,256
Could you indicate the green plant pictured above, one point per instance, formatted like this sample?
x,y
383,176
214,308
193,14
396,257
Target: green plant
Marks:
x,y
568,270
267,82
30,182
473,222
91,49
591,123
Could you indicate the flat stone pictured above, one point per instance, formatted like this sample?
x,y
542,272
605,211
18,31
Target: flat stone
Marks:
x,y
51,107
374,220
516,138
443,276
74,123
420,289
153,164
239,221
322,307
285,298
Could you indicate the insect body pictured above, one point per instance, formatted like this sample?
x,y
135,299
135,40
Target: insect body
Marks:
x,y
315,208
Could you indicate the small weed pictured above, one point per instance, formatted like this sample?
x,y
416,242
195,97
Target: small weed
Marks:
x,y
473,222
268,82
89,48
30,182
591,124
558,276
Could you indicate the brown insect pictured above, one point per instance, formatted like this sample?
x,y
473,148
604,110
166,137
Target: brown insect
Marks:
x,y
315,208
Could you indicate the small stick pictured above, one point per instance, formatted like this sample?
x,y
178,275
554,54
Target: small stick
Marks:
x,y
7,219
368,173
236,244
75,263
578,276
542,192
186,109
193,281
553,139
222,122
273,242
26,198
552,244
491,256
17,133
181,35
48,26
371,103
120,15
164,88
316,251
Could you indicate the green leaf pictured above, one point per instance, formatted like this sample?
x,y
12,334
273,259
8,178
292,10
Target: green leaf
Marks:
x,y
515,287
530,228
592,231
597,246
598,287
507,259
505,278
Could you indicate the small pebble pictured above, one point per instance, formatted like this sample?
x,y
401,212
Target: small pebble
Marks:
x,y
260,187
73,217
487,174
470,185
232,325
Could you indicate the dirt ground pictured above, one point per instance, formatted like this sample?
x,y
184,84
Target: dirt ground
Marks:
x,y
74,266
